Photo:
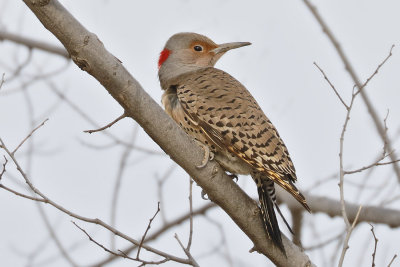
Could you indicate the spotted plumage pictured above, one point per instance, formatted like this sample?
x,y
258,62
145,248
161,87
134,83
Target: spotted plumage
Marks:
x,y
218,111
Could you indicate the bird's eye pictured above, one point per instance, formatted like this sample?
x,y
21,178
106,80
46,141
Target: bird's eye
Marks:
x,y
198,48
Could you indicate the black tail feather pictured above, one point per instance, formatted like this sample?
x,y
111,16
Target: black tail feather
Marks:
x,y
265,195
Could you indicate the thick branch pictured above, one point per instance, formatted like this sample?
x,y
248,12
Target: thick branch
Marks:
x,y
89,54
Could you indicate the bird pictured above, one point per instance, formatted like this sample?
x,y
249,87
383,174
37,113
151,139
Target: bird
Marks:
x,y
219,112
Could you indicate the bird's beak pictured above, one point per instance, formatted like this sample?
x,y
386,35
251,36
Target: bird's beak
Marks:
x,y
222,48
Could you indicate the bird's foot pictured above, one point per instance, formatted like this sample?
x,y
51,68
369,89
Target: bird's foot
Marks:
x,y
208,155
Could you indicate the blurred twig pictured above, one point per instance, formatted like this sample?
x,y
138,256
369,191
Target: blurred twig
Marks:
x,y
34,44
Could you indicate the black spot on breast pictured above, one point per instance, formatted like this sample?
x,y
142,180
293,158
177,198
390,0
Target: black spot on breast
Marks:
x,y
234,140
244,149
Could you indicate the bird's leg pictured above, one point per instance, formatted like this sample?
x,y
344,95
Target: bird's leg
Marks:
x,y
208,155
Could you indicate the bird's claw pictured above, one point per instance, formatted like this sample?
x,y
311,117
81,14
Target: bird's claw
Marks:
x,y
233,177
208,155
204,195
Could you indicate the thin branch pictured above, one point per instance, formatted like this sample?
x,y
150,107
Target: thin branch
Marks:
x,y
187,252
121,253
34,44
375,245
377,70
147,229
332,86
191,213
108,125
27,137
394,257
4,167
375,164
22,195
346,240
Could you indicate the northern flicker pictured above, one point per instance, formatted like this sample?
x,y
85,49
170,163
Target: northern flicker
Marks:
x,y
219,112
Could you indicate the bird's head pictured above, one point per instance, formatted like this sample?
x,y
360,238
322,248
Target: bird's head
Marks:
x,y
185,52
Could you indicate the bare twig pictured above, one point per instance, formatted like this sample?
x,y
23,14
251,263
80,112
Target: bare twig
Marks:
x,y
375,245
187,252
346,240
147,229
4,167
121,253
394,257
191,213
27,137
375,164
22,195
108,125
376,72
332,86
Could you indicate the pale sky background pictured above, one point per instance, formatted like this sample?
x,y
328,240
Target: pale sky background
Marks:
x,y
277,69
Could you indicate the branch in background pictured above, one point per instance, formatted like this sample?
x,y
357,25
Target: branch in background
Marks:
x,y
374,115
375,245
331,207
33,44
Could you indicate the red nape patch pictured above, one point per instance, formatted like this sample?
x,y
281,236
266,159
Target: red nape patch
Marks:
x,y
163,56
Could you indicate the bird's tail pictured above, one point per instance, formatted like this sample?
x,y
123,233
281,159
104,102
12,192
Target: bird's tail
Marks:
x,y
266,194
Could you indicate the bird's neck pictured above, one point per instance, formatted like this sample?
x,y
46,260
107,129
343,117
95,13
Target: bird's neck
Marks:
x,y
170,72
